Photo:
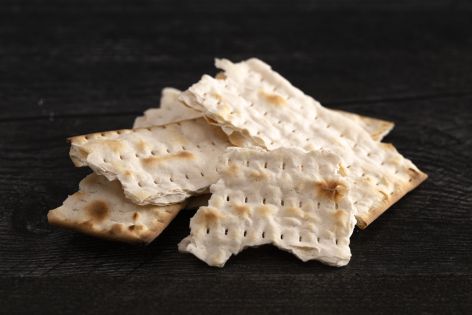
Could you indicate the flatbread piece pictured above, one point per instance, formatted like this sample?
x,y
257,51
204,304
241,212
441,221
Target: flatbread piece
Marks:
x,y
254,101
100,209
157,165
294,200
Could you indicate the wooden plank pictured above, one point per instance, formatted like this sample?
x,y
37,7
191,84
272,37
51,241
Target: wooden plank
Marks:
x,y
94,65
81,64
423,233
314,292
227,6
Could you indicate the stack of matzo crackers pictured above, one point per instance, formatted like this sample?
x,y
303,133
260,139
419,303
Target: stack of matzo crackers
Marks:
x,y
281,170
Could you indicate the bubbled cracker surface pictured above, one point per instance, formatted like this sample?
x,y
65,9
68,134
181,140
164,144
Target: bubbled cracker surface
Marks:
x,y
157,165
296,201
171,110
99,208
256,102
376,128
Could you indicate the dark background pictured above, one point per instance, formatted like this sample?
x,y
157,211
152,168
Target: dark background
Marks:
x,y
73,67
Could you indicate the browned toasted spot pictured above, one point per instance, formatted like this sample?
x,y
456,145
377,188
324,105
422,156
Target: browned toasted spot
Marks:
x,y
232,169
264,210
135,216
330,189
211,215
258,175
208,215
210,121
376,134
114,145
388,146
97,210
185,155
412,172
242,210
116,228
385,195
87,225
220,76
92,179
79,194
181,155
237,139
128,173
108,133
135,227
142,146
294,212
273,99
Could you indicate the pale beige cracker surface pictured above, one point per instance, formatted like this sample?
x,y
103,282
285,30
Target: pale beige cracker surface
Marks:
x,y
252,100
158,165
100,209
376,128
173,110
170,110
294,200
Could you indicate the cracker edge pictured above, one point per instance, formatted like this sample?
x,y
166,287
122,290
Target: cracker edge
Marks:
x,y
382,127
417,177
123,235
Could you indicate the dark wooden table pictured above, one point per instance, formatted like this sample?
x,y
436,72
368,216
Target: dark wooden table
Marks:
x,y
68,69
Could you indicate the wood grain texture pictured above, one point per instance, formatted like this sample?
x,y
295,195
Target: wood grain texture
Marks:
x,y
116,62
80,68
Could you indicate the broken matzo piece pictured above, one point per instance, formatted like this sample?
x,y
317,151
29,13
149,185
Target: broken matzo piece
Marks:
x,y
294,200
100,209
170,110
173,110
157,165
256,102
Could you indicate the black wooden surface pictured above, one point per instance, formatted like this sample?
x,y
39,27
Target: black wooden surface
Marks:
x,y
76,67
